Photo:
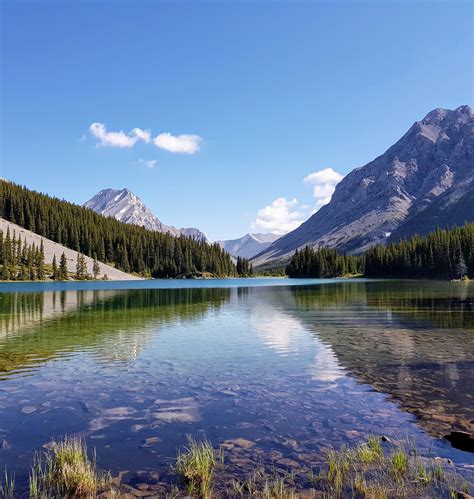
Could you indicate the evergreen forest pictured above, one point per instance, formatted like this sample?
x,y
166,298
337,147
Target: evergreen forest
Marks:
x,y
442,254
129,248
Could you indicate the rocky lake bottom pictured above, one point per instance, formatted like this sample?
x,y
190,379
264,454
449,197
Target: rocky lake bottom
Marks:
x,y
274,373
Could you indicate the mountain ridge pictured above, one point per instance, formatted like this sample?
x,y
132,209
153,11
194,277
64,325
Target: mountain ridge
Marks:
x,y
249,244
388,197
127,207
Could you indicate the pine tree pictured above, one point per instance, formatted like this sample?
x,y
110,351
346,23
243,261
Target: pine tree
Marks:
x,y
40,273
96,268
55,271
30,263
461,267
81,267
63,273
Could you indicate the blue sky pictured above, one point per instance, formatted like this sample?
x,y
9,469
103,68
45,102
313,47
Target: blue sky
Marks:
x,y
256,96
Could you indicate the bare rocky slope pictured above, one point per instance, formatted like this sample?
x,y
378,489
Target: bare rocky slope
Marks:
x,y
424,180
125,206
52,249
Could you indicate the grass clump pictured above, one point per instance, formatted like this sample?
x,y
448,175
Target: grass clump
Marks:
x,y
343,463
7,485
370,452
264,485
370,490
277,487
422,475
66,471
399,462
196,466
366,471
338,468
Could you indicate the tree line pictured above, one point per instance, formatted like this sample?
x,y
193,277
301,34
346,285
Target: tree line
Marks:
x,y
442,254
129,248
20,261
244,267
323,262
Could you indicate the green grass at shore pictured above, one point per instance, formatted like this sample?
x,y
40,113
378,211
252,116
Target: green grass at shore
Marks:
x,y
370,469
66,471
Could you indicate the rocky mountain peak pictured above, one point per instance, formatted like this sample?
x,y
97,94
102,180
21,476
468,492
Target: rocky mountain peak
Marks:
x,y
248,245
425,179
127,207
435,117
446,117
442,124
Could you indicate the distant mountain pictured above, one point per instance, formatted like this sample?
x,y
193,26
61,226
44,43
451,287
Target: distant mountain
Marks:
x,y
125,206
424,180
249,245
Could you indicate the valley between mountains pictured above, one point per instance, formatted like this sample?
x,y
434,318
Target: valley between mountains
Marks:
x,y
425,180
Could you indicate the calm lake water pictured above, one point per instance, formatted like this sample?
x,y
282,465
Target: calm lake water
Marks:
x,y
290,366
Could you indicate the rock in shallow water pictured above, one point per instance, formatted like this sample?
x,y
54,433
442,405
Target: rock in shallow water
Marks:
x,y
238,442
149,442
461,440
4,445
28,409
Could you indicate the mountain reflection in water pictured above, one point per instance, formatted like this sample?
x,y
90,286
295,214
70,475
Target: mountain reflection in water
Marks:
x,y
115,325
411,340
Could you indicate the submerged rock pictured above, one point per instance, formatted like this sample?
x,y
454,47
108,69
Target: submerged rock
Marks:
x,y
135,492
290,463
149,442
4,445
174,416
28,409
443,460
238,442
117,480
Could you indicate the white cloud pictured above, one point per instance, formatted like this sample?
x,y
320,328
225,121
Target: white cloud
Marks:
x,y
111,139
144,135
283,215
286,335
149,163
188,144
324,182
280,217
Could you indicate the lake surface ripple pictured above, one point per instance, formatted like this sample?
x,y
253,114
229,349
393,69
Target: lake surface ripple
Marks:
x,y
276,371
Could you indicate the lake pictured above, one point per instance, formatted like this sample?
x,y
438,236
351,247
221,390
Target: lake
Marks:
x,y
275,370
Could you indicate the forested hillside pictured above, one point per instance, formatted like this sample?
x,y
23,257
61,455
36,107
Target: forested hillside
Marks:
x,y
443,254
127,247
324,262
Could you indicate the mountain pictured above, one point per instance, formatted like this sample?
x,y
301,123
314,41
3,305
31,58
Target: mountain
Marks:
x,y
424,180
128,247
125,206
249,245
